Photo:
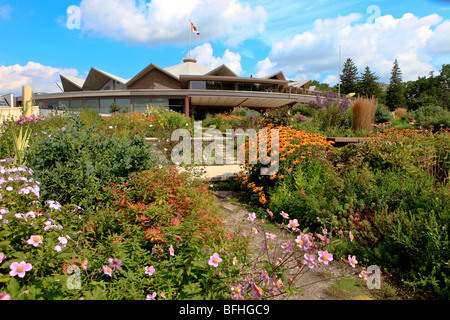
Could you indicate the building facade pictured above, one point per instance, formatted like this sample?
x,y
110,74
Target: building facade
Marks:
x,y
189,88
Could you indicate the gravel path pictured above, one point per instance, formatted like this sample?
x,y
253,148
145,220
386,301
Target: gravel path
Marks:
x,y
235,216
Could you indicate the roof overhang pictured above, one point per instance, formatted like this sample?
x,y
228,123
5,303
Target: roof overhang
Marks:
x,y
184,80
96,79
71,83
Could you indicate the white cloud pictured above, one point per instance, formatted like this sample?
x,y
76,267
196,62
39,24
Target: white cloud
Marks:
x,y
167,21
204,56
5,11
41,78
411,40
265,67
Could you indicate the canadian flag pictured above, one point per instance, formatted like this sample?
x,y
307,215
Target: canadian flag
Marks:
x,y
194,29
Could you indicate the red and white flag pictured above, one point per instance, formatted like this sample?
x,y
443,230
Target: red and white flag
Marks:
x,y
194,29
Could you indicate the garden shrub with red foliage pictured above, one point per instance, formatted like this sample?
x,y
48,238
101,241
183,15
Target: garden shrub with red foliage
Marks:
x,y
160,201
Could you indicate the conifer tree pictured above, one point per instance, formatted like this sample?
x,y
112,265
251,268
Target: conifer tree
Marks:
x,y
349,77
395,94
368,86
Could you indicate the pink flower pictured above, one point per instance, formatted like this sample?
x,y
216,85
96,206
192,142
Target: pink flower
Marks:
x,y
270,236
325,256
287,246
251,216
309,260
352,261
214,260
235,260
84,264
293,224
151,296
107,270
363,275
269,212
149,270
35,240
1,257
171,251
115,263
4,296
19,269
256,292
284,215
350,235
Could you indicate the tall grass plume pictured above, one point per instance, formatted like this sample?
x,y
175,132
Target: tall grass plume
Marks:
x,y
363,112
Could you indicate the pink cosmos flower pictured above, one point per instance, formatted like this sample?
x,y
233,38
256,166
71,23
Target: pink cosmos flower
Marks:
x,y
35,240
251,216
107,270
325,256
269,212
4,296
1,257
352,261
151,296
235,260
149,270
309,260
270,236
214,260
293,224
84,264
19,269
363,275
351,236
287,246
115,263
171,251
284,215
256,292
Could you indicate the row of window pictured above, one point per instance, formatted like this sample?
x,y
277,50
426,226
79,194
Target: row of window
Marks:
x,y
105,106
232,86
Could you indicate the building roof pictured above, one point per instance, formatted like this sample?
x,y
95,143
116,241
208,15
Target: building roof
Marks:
x,y
147,69
96,79
188,67
71,83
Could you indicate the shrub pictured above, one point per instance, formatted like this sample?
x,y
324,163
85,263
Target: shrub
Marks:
x,y
383,114
400,113
363,111
73,165
332,110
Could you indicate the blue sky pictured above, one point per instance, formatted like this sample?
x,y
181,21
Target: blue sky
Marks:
x,y
41,39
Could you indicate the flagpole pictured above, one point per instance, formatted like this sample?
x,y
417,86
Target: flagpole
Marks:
x,y
190,35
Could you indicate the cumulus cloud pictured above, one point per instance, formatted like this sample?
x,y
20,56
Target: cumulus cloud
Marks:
x,y
411,40
167,21
41,78
204,55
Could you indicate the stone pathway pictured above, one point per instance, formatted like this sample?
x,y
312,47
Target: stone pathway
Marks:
x,y
235,217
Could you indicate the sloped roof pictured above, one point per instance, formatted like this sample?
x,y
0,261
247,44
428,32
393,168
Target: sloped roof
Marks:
x,y
96,79
147,69
299,84
188,68
69,83
277,75
223,70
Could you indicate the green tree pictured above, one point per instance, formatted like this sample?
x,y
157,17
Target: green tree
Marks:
x,y
444,88
368,86
395,94
349,77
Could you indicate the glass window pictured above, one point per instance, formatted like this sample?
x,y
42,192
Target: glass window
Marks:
x,y
63,104
52,105
105,105
229,85
124,105
244,86
92,104
177,105
158,102
200,85
140,105
76,105
213,85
